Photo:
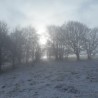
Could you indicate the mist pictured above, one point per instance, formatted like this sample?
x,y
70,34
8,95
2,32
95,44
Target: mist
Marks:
x,y
48,49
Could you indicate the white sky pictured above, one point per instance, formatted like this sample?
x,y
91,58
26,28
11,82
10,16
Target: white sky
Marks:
x,y
40,13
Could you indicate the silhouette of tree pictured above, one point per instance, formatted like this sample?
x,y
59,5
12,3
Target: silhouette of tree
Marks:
x,y
75,34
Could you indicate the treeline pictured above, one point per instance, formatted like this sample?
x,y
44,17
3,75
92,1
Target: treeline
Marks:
x,y
21,45
72,38
18,46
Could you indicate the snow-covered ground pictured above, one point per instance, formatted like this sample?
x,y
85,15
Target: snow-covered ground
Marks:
x,y
51,80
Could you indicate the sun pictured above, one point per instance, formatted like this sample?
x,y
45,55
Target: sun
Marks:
x,y
42,40
42,35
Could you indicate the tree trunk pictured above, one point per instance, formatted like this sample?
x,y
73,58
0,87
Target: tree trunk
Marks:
x,y
56,54
0,65
78,56
89,56
13,61
0,59
56,57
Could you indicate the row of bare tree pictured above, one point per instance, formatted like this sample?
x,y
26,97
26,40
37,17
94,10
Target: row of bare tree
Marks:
x,y
72,38
18,46
21,45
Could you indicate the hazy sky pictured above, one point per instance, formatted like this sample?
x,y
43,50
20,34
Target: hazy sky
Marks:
x,y
40,13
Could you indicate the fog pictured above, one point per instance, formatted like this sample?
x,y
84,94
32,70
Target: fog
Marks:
x,y
48,49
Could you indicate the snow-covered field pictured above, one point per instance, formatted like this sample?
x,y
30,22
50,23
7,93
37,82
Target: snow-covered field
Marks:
x,y
51,80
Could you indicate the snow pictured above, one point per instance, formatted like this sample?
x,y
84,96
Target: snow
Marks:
x,y
51,80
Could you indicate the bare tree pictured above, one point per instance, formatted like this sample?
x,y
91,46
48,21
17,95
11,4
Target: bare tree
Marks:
x,y
59,41
24,45
18,42
56,41
75,34
31,42
91,42
3,42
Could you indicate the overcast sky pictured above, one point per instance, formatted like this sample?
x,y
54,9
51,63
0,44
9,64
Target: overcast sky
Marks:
x,y
40,13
